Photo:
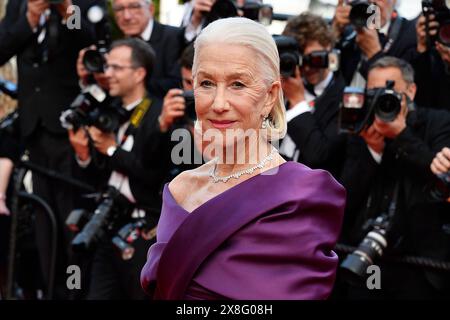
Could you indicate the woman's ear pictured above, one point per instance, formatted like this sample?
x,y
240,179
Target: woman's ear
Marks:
x,y
272,96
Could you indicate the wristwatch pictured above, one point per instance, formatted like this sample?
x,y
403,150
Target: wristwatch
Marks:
x,y
110,151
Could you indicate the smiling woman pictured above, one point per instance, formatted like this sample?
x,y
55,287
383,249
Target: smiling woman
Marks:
x,y
286,230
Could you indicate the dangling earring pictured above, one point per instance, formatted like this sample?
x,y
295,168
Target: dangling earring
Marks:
x,y
264,123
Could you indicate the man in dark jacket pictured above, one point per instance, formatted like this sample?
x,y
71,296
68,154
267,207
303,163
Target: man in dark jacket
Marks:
x,y
314,96
46,42
387,171
360,47
135,19
134,160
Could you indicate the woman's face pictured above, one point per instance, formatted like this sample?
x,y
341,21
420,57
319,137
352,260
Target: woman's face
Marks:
x,y
230,92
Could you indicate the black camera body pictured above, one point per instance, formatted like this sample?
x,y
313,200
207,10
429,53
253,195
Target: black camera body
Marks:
x,y
441,10
359,107
189,100
93,107
360,13
290,57
94,59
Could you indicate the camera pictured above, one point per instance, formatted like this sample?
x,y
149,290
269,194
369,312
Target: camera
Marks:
x,y
354,267
441,10
360,107
113,208
94,59
131,232
290,57
360,13
441,190
254,10
9,88
189,100
93,107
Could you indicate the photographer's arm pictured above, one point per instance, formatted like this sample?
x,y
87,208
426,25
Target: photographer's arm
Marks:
x,y
6,168
15,29
416,154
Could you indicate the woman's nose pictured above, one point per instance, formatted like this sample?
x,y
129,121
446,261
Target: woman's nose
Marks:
x,y
220,103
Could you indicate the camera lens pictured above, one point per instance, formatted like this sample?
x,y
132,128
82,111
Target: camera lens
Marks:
x,y
388,107
93,61
444,33
288,63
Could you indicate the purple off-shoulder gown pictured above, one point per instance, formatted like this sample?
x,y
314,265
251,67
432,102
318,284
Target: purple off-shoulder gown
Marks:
x,y
269,237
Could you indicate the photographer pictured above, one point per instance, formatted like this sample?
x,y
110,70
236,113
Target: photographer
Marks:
x,y
314,94
37,32
432,65
385,174
362,41
135,19
135,161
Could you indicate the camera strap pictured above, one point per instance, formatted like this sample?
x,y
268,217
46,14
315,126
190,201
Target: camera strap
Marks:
x,y
394,33
136,118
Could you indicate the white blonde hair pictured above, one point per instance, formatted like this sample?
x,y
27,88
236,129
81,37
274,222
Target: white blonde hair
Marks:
x,y
248,33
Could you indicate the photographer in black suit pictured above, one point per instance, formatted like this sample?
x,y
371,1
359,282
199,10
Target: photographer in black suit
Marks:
x,y
134,159
361,46
386,174
42,37
135,19
314,95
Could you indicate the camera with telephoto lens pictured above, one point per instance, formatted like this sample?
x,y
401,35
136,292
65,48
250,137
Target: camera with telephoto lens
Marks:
x,y
255,10
94,59
93,107
290,57
354,267
441,10
359,107
130,233
441,189
113,209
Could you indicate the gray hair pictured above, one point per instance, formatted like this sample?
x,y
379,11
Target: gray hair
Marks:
x,y
248,33
405,68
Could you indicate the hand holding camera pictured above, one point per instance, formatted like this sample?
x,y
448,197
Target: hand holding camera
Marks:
x,y
373,139
173,108
102,140
441,168
421,30
35,8
80,143
200,8
368,41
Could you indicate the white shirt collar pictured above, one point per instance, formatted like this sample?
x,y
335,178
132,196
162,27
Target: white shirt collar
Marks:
x,y
385,29
319,88
133,105
148,30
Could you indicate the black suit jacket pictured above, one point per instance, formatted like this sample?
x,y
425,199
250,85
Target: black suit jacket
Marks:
x,y
403,47
418,226
167,41
432,78
146,164
316,134
45,88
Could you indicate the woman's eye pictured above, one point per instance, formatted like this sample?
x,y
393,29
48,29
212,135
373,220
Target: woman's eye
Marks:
x,y
238,84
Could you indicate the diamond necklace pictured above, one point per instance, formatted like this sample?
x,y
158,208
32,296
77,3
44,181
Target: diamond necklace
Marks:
x,y
237,175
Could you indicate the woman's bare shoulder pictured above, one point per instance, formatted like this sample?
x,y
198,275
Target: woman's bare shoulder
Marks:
x,y
189,180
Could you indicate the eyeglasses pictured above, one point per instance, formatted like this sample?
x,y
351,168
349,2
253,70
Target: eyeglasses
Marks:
x,y
133,7
116,67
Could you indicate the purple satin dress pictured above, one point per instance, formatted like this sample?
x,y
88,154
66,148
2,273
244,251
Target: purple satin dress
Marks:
x,y
270,237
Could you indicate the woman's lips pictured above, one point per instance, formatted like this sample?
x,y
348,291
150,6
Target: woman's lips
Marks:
x,y
222,124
